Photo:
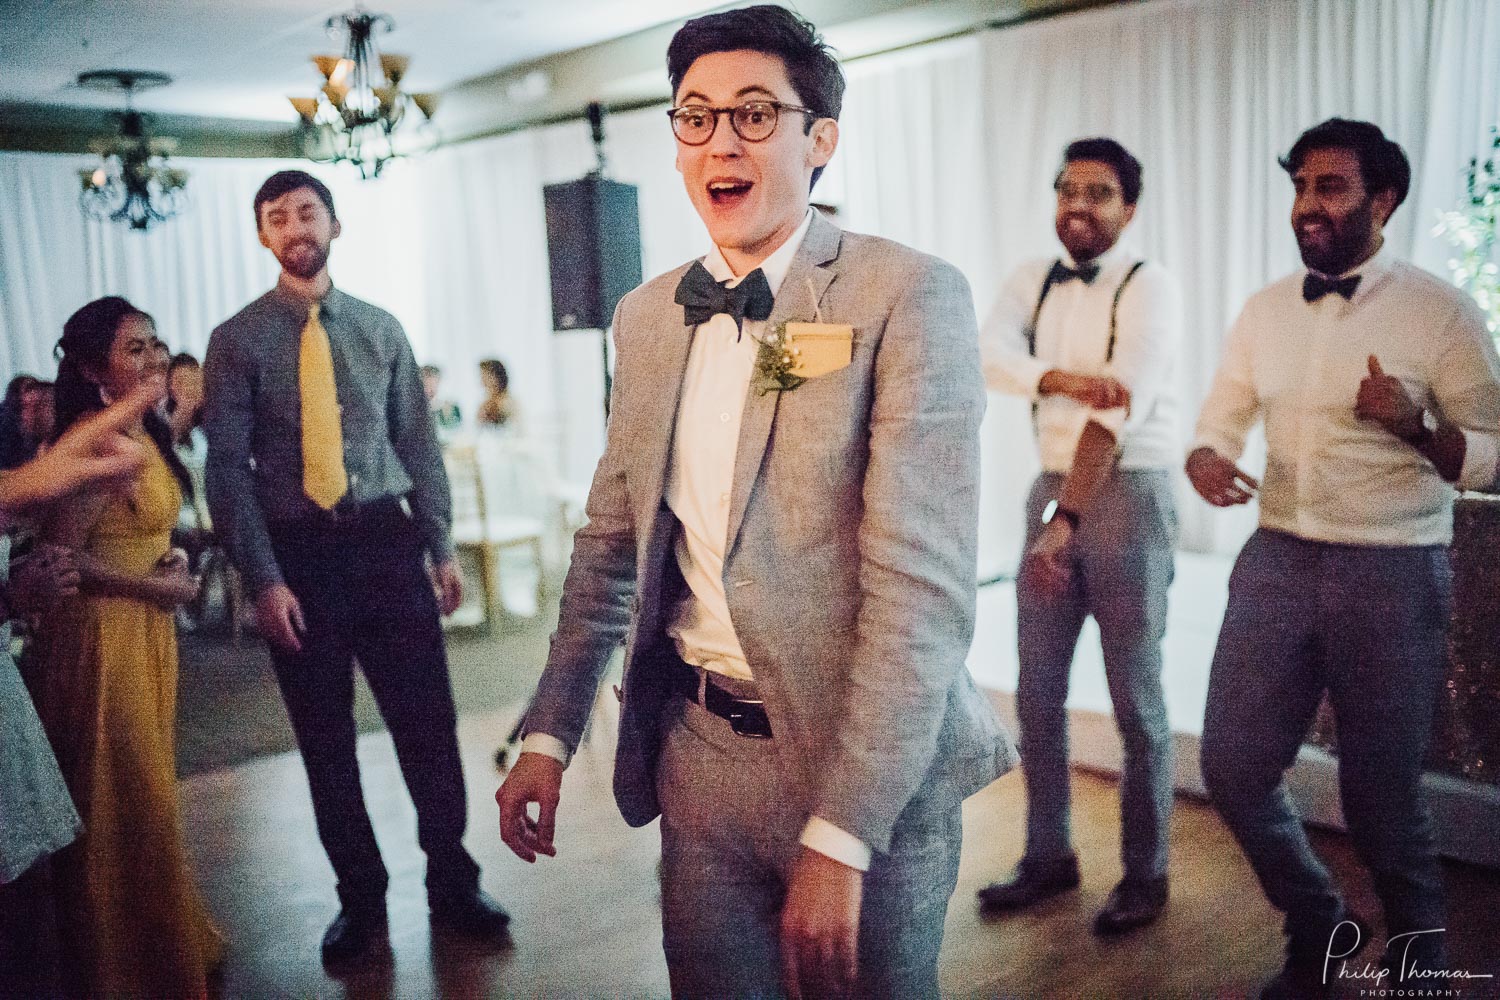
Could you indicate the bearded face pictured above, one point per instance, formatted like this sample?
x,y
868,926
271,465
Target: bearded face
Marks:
x,y
1335,219
298,229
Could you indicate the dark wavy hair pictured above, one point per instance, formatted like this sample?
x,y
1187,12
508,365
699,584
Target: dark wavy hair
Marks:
x,y
496,368
87,338
1382,162
773,30
1101,149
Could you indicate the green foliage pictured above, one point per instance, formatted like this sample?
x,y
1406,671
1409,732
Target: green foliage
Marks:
x,y
1473,230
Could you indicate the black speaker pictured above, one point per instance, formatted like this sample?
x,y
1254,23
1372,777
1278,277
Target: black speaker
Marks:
x,y
594,249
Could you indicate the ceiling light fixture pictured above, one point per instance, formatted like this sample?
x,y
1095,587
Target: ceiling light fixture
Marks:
x,y
361,115
133,182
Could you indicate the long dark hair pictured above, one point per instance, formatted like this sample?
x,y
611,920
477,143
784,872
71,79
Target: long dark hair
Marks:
x,y
87,338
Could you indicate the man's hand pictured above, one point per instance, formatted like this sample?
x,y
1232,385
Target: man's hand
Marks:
x,y
1097,392
1383,399
820,927
95,451
535,777
47,576
449,583
1218,480
1045,563
278,617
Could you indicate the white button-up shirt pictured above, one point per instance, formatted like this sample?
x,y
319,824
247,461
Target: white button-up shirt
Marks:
x,y
1331,476
1072,335
700,473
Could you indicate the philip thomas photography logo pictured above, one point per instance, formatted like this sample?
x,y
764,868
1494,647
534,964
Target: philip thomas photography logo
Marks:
x,y
1399,972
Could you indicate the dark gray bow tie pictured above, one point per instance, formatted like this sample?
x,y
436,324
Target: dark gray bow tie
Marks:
x,y
702,298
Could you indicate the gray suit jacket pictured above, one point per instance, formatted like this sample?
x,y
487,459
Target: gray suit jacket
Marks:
x,y
850,565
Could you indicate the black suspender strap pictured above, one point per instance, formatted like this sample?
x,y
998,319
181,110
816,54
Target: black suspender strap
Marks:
x,y
1114,309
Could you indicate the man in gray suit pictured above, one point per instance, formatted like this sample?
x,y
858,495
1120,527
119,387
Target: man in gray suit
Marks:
x,y
782,531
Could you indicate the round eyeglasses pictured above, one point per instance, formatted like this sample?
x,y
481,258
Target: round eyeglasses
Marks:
x,y
753,121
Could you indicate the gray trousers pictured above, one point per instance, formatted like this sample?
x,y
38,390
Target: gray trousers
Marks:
x,y
1369,626
729,836
1123,563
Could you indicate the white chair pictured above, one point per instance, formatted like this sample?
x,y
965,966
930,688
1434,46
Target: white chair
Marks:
x,y
479,527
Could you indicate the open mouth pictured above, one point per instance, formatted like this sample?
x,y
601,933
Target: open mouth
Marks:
x,y
728,193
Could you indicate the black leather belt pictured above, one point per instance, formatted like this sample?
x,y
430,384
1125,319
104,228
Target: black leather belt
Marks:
x,y
348,514
746,716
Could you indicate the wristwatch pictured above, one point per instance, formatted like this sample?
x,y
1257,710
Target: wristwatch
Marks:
x,y
1056,510
1424,427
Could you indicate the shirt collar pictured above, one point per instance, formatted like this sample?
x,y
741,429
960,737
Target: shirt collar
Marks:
x,y
773,267
1105,260
328,305
1370,271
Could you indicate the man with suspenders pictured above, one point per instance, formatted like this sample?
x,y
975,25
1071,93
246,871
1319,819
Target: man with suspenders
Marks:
x,y
1091,338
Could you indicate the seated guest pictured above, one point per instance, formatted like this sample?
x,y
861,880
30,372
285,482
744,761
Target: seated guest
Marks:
x,y
106,675
184,397
445,412
15,445
184,409
1379,389
499,407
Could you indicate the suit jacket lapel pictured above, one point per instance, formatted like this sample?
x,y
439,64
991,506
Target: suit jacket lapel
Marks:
x,y
797,301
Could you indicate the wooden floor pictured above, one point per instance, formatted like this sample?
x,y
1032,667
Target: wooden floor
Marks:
x,y
587,923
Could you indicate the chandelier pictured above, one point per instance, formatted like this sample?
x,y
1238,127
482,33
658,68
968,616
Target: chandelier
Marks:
x,y
361,115
133,182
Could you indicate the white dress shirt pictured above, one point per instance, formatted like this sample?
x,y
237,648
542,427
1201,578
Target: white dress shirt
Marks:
x,y
700,476
700,473
1330,476
1073,336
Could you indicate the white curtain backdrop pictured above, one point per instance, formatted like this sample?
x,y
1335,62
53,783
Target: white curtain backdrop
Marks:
x,y
950,147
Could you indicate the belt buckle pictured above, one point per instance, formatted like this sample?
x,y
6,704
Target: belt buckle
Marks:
x,y
743,725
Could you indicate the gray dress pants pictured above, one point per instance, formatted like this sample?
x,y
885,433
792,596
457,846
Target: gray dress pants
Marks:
x,y
1369,626
1123,562
729,836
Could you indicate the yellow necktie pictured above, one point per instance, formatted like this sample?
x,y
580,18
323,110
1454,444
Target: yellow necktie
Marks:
x,y
323,477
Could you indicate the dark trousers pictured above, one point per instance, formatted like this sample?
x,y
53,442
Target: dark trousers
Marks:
x,y
365,595
1369,626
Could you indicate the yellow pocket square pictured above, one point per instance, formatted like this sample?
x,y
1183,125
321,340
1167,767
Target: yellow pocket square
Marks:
x,y
819,348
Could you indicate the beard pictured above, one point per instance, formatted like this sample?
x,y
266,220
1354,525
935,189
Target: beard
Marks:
x,y
304,259
1343,241
1086,241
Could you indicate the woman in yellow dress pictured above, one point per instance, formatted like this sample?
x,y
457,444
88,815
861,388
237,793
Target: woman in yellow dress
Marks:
x,y
132,922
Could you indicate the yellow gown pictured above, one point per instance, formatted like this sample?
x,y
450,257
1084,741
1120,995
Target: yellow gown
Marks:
x,y
132,921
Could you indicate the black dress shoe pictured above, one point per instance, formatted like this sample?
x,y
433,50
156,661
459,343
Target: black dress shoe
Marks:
x,y
1031,883
354,938
1304,977
473,914
1131,904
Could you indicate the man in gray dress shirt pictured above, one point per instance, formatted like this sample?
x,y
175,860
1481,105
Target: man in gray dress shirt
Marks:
x,y
327,485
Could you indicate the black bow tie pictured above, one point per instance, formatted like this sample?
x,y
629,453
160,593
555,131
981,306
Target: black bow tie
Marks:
x,y
1061,272
1315,286
702,298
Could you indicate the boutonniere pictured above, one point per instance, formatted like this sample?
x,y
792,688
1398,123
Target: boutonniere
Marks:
x,y
794,351
776,362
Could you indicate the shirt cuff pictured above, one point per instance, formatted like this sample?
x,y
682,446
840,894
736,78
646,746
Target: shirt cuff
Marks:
x,y
830,841
1481,457
1111,420
548,746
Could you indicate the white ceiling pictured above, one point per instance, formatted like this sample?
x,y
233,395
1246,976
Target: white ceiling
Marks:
x,y
241,58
